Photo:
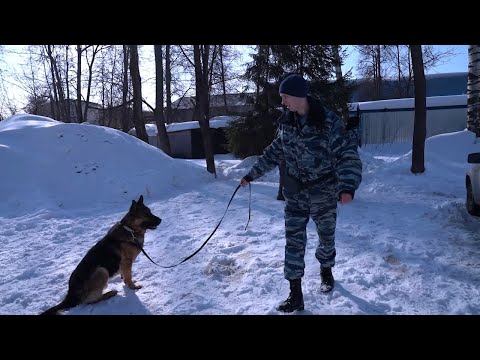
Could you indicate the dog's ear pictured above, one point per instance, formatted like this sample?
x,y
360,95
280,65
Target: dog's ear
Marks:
x,y
133,207
140,200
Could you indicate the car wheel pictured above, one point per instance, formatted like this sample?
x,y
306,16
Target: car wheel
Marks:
x,y
472,207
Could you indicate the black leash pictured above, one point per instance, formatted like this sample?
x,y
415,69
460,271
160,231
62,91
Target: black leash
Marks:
x,y
138,245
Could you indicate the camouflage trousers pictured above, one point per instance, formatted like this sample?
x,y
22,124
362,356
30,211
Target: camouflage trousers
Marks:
x,y
320,203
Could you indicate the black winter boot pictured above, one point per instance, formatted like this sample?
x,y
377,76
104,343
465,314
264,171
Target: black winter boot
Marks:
x,y
327,279
295,299
280,192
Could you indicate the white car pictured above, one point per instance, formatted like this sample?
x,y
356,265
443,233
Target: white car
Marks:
x,y
472,183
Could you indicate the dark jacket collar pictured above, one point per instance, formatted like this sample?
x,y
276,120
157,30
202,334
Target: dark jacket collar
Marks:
x,y
316,114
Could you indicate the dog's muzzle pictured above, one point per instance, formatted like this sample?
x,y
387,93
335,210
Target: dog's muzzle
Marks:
x,y
152,225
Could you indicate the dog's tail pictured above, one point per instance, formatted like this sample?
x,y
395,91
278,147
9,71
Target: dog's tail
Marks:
x,y
67,303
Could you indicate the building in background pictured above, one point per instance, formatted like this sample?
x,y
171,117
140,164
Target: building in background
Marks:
x,y
186,139
237,104
392,121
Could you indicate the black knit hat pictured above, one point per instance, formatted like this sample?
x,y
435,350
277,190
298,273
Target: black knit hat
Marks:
x,y
294,85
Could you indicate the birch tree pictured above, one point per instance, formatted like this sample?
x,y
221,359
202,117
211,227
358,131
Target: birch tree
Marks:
x,y
473,90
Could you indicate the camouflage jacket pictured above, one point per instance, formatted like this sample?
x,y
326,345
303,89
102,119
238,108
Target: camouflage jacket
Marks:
x,y
320,148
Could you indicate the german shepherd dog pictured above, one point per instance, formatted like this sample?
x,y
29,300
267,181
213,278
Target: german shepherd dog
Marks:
x,y
113,254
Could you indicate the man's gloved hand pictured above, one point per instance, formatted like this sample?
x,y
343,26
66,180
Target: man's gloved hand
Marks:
x,y
245,180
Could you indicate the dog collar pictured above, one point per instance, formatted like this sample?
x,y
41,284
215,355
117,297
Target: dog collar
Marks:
x,y
127,228
131,232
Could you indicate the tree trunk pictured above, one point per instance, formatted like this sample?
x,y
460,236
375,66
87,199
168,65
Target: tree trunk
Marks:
x,y
59,85
420,125
473,90
137,94
111,116
125,117
67,84
168,84
79,84
201,87
399,70
163,141
103,97
378,72
222,75
90,78
54,107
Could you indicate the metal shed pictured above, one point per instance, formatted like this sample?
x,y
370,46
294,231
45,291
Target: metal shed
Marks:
x,y
391,121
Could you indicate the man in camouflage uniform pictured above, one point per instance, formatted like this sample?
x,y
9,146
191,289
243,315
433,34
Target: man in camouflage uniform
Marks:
x,y
322,167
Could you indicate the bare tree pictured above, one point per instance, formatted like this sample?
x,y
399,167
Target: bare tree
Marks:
x,y
473,90
90,61
433,57
54,101
6,105
370,67
2,87
57,65
125,117
222,77
179,77
30,80
420,125
201,63
168,84
398,65
137,95
108,85
67,82
163,141
36,89
398,60
219,82
223,74
79,84
55,71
